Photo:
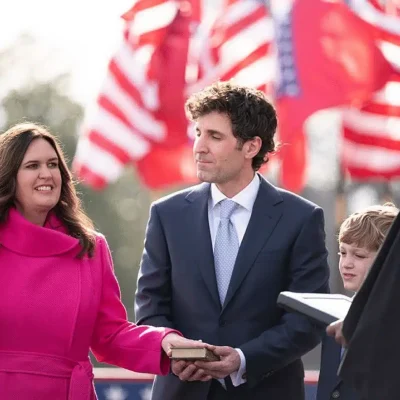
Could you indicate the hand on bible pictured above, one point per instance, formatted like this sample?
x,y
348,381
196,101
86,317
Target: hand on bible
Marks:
x,y
335,330
185,370
229,363
175,340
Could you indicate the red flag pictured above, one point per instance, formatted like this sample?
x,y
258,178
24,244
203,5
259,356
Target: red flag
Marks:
x,y
371,137
237,45
170,162
141,104
141,118
371,133
333,62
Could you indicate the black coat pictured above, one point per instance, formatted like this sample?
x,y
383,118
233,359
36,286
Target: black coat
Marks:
x,y
372,327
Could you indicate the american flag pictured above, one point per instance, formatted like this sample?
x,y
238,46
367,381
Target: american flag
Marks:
x,y
140,118
371,134
238,44
322,48
287,80
132,124
126,122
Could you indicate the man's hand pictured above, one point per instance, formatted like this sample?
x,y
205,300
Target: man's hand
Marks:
x,y
184,370
188,371
335,329
229,363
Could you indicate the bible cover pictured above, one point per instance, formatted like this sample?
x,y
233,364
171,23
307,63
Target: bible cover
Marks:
x,y
323,308
193,353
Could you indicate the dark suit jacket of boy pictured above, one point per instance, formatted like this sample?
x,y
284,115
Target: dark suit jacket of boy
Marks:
x,y
330,385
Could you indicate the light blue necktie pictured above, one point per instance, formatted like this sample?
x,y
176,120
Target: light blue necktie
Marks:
x,y
226,248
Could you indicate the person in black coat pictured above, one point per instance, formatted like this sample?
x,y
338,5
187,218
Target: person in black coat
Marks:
x,y
360,237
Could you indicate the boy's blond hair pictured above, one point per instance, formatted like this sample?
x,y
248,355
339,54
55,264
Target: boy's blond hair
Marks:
x,y
368,227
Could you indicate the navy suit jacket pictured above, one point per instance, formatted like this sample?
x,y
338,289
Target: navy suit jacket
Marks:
x,y
330,385
283,249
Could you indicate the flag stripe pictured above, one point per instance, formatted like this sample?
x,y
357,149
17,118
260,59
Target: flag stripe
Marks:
x,y
126,122
257,14
379,141
370,124
378,159
151,19
115,130
138,76
90,178
99,161
254,56
131,125
376,18
371,134
143,5
258,74
391,52
389,95
110,146
124,82
136,116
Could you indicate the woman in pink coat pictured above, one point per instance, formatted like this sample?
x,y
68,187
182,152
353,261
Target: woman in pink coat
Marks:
x,y
59,296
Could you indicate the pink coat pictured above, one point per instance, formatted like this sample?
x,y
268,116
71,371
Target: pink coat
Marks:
x,y
55,307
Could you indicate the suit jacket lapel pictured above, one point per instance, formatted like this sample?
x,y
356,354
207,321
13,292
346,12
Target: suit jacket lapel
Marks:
x,y
264,217
197,217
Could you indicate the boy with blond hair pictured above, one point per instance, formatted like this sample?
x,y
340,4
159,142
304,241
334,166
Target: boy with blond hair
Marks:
x,y
360,237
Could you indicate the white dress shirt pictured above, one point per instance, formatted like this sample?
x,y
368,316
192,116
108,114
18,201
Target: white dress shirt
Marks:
x,y
240,219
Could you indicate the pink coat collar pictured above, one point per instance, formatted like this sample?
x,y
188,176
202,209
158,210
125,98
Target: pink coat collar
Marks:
x,y
21,236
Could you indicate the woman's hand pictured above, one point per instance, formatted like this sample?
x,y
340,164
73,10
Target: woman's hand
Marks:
x,y
184,370
175,340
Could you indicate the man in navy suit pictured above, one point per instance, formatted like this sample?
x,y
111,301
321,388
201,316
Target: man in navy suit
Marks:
x,y
360,237
217,255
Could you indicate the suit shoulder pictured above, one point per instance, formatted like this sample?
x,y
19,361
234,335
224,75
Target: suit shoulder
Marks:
x,y
178,196
293,199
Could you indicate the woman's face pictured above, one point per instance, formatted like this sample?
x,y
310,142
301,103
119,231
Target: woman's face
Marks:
x,y
38,179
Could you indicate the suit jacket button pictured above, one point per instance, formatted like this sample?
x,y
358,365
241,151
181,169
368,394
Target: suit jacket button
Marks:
x,y
222,323
335,394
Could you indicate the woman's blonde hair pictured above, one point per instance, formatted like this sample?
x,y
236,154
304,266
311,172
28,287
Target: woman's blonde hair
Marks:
x,y
368,227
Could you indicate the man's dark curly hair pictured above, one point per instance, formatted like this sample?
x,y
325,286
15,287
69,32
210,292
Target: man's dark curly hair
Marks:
x,y
250,113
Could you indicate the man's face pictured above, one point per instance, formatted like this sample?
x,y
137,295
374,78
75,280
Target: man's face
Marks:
x,y
354,263
219,157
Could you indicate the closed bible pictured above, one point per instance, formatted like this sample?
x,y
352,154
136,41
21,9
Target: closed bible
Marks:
x,y
193,353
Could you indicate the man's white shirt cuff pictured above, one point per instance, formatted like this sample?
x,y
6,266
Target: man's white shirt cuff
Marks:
x,y
237,376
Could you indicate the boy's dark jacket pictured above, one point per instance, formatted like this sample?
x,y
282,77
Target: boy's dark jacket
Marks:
x,y
330,385
372,327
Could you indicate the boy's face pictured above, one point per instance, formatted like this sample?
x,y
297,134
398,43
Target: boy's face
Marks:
x,y
354,264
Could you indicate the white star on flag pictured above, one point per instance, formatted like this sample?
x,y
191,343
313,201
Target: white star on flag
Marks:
x,y
115,393
145,394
